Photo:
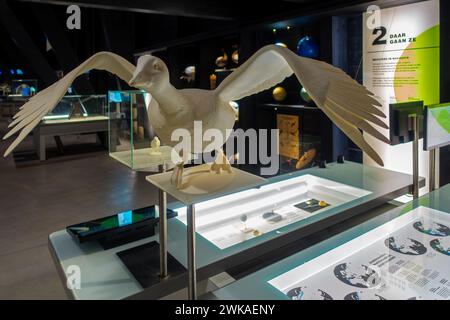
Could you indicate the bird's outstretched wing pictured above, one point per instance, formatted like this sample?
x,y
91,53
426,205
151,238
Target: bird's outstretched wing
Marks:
x,y
32,112
347,103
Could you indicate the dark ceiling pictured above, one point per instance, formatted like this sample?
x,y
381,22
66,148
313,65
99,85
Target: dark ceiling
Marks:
x,y
28,26
210,9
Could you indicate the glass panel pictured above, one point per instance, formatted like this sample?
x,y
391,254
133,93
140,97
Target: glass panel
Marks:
x,y
236,218
404,259
130,132
73,107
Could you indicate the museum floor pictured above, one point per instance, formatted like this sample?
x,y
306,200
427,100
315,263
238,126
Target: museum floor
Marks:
x,y
40,199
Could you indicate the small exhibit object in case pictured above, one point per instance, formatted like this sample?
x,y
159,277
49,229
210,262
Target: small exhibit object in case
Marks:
x,y
436,126
130,132
312,205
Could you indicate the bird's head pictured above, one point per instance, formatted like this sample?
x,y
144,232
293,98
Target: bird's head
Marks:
x,y
151,73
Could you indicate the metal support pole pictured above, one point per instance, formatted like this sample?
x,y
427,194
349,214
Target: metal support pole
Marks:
x,y
432,168
415,152
163,273
192,289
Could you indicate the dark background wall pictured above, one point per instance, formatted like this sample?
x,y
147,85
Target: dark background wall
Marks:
x,y
196,38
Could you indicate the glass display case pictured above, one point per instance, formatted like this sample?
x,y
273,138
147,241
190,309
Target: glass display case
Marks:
x,y
399,255
241,216
404,259
347,190
24,87
73,107
130,133
299,144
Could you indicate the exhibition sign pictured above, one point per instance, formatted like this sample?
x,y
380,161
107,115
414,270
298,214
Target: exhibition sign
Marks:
x,y
437,126
401,53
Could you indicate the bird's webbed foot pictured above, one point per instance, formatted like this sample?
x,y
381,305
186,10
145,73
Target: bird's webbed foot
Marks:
x,y
221,163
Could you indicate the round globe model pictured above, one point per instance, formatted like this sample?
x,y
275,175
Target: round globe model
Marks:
x,y
281,44
235,56
307,47
279,94
305,96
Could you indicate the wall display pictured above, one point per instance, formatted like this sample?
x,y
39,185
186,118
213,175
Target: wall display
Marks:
x,y
239,217
24,88
437,126
281,44
212,81
306,159
77,106
222,60
289,135
189,74
5,89
279,94
307,47
305,96
348,104
235,56
402,63
404,259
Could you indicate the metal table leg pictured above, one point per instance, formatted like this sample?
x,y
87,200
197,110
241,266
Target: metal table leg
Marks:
x,y
162,230
192,289
415,152
432,172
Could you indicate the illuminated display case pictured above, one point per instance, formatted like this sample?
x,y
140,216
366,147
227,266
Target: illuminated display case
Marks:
x,y
399,255
130,133
242,216
349,189
297,149
79,107
24,87
404,259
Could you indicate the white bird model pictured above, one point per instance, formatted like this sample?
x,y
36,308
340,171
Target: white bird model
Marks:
x,y
348,104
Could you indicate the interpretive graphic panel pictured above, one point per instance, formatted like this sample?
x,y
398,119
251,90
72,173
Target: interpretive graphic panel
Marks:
x,y
405,259
437,126
401,63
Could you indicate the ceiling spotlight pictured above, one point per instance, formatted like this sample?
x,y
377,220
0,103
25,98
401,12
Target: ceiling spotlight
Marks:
x,y
274,30
288,27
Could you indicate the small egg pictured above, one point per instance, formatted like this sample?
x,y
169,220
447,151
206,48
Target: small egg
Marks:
x,y
322,204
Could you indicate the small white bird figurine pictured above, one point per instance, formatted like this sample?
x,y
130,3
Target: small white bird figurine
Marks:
x,y
154,145
348,104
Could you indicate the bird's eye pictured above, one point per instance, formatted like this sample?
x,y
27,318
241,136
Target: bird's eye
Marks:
x,y
157,66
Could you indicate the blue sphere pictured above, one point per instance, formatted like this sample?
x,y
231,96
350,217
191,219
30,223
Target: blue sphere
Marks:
x,y
307,47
